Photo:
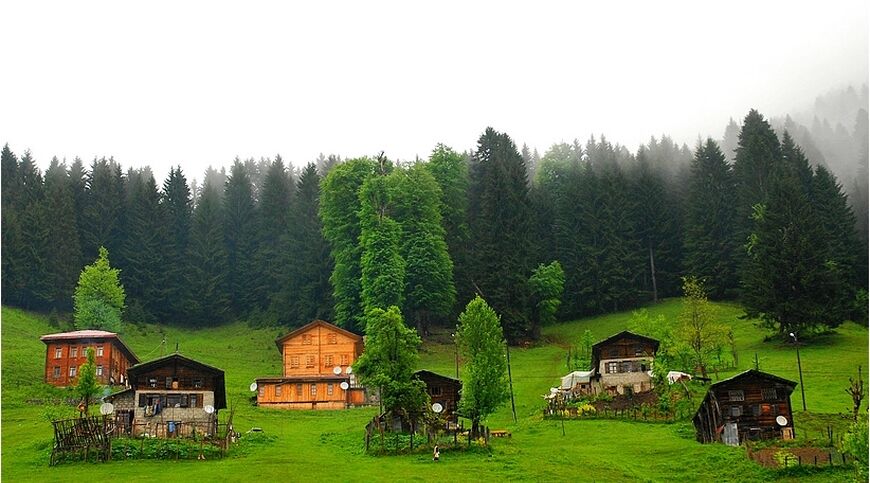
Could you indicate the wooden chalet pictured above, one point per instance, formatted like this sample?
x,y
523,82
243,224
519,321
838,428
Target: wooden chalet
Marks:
x,y
442,390
66,352
622,363
171,396
316,361
751,405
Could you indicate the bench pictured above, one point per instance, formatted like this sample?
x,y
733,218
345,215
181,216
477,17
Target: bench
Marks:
x,y
500,433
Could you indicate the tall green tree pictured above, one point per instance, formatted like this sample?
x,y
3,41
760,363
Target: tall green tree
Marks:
x,y
64,258
12,238
501,227
339,213
306,294
178,211
99,298
240,235
711,222
381,265
103,211
429,291
698,329
34,270
87,388
207,278
272,217
484,376
547,284
389,361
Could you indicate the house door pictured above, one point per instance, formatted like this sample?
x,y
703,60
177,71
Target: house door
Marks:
x,y
730,436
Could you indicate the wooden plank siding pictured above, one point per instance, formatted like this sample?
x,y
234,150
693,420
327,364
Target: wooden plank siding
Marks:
x,y
66,351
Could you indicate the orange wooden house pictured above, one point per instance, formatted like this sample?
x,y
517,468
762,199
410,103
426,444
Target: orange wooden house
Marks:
x,y
316,361
66,352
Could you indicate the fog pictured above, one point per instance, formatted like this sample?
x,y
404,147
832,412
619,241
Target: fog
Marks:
x,y
198,84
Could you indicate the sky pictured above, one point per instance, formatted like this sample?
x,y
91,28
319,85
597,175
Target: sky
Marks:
x,y
199,83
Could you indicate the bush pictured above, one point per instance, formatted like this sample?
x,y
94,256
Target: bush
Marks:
x,y
855,444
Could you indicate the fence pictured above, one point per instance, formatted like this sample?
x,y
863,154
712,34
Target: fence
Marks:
x,y
644,413
380,425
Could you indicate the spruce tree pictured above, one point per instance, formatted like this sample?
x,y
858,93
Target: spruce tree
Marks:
x,y
240,235
34,269
102,213
710,222
501,227
272,218
178,211
207,276
12,238
339,213
64,258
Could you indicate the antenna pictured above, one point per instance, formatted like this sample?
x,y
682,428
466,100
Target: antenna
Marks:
x,y
209,409
437,408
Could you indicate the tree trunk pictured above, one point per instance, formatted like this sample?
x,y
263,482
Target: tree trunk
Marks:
x,y
652,269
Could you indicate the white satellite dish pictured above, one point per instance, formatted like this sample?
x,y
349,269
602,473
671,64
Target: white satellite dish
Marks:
x,y
106,409
209,409
781,420
336,370
344,385
253,386
437,407
349,370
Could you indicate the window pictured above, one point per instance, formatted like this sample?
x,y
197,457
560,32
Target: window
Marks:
x,y
100,370
765,408
294,362
612,367
194,400
306,339
168,382
261,390
74,352
435,391
100,351
627,366
299,389
331,339
197,383
278,390
314,389
72,371
756,410
638,350
329,389
345,360
309,361
736,411
735,395
56,373
152,382
58,352
768,393
327,360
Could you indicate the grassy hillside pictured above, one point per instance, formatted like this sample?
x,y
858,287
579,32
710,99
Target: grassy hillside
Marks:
x,y
313,445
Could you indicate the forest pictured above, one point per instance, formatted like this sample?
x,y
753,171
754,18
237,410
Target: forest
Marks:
x,y
759,215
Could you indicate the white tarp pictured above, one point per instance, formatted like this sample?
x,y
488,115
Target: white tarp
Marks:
x,y
674,376
574,378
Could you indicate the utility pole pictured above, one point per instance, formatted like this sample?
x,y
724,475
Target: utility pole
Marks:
x,y
455,353
511,382
800,372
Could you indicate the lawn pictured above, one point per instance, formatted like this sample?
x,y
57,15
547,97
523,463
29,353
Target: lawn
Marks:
x,y
328,445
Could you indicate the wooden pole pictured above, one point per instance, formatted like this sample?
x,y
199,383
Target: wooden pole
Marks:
x,y
511,382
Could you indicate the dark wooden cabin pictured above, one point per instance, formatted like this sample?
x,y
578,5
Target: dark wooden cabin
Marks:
x,y
66,352
442,390
622,362
170,396
746,407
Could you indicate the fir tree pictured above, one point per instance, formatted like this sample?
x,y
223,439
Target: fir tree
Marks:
x,y
178,211
102,213
63,259
240,235
207,256
272,216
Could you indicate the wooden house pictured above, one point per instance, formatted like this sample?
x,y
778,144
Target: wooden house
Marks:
x,y
317,374
442,390
171,396
66,352
751,405
622,363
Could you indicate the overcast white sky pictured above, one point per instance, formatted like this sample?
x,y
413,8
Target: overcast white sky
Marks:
x,y
198,83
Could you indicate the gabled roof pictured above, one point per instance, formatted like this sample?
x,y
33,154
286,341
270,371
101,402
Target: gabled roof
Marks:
x,y
280,340
628,334
90,334
220,397
424,372
756,373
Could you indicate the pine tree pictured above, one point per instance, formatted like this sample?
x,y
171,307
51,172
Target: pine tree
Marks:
x,y
34,270
63,259
240,235
102,213
272,217
339,213
501,226
429,291
178,211
12,237
381,265
710,221
207,277
484,376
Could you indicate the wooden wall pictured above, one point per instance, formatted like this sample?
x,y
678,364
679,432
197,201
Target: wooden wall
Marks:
x,y
113,360
318,350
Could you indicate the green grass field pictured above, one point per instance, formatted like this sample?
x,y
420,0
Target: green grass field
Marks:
x,y
328,445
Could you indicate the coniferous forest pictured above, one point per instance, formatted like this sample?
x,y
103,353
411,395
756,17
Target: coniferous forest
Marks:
x,y
758,215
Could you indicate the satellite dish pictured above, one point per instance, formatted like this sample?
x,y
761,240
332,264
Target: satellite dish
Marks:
x,y
253,386
349,370
209,409
106,409
781,420
437,407
344,385
336,370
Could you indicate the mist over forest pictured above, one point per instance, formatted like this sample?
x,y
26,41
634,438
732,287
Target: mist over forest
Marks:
x,y
279,243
